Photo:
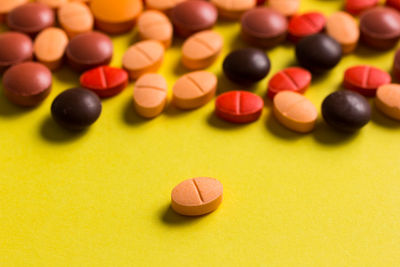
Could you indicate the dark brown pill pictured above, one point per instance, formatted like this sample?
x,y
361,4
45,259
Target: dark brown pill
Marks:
x,y
89,50
27,84
15,48
31,18
76,109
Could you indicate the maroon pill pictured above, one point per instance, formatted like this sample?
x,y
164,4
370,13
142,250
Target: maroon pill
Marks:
x,y
15,48
89,50
27,84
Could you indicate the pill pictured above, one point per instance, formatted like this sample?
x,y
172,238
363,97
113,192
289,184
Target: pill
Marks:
x,y
8,5
388,100
393,3
355,7
193,16
342,27
150,95
89,50
15,48
380,27
75,18
162,5
239,106
286,7
197,196
49,47
194,89
105,81
396,65
27,84
53,3
264,27
154,25
346,110
318,53
246,65
233,9
306,24
143,57
365,79
295,111
76,109
291,79
116,18
201,49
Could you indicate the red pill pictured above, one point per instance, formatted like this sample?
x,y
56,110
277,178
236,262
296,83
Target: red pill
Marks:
x,y
306,24
365,79
291,79
393,3
105,81
355,7
239,106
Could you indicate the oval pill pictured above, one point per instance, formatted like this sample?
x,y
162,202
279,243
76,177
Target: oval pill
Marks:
x,y
15,48
342,27
154,25
75,18
291,79
388,100
233,9
162,5
306,24
355,7
197,196
286,7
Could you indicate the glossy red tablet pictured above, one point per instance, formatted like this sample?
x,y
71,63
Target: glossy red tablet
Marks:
x,y
291,79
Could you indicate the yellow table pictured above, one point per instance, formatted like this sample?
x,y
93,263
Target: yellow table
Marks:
x,y
101,198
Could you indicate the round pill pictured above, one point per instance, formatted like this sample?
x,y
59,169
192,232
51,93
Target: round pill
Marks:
x,y
305,24
365,79
31,18
388,100
197,196
75,18
27,84
154,25
89,50
15,48
8,5
355,7
396,65
233,9
393,3
162,5
105,81
264,27
285,7
342,27
193,16
76,109
143,57
380,27
246,65
318,53
53,3
201,50
346,111
239,106
150,95
194,89
295,112
291,79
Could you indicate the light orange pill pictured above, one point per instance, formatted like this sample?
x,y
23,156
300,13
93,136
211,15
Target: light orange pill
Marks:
x,y
150,95
49,47
75,18
388,100
154,25
53,3
295,111
7,5
233,9
342,27
201,50
143,57
197,196
194,89
286,7
162,5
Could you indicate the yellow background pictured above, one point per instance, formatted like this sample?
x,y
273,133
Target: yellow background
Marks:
x,y
101,198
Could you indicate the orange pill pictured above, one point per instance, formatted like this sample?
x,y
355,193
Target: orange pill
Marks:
x,y
197,196
7,5
49,47
118,17
75,18
150,95
233,9
143,57
285,7
201,50
53,3
388,100
295,111
162,5
194,89
342,27
154,25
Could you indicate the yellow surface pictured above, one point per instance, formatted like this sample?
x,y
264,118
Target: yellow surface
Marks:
x,y
101,198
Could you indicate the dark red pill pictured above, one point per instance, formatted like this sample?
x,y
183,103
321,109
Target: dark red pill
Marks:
x,y
355,7
260,2
365,79
239,106
306,24
290,79
393,3
105,81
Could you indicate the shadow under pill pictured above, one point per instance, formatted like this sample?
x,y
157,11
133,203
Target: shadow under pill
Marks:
x,y
170,217
274,127
9,110
66,75
218,123
382,120
52,132
326,135
130,116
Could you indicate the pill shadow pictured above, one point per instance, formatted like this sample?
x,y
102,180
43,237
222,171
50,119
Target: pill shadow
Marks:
x,y
130,116
67,75
226,85
218,123
364,51
274,127
326,135
170,217
53,133
382,120
179,69
8,109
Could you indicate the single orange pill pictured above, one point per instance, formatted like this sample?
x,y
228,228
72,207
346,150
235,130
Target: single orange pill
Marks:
x,y
53,3
295,111
150,95
194,89
197,196
143,57
233,9
162,5
388,100
285,7
154,25
342,27
49,47
115,18
75,18
7,5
